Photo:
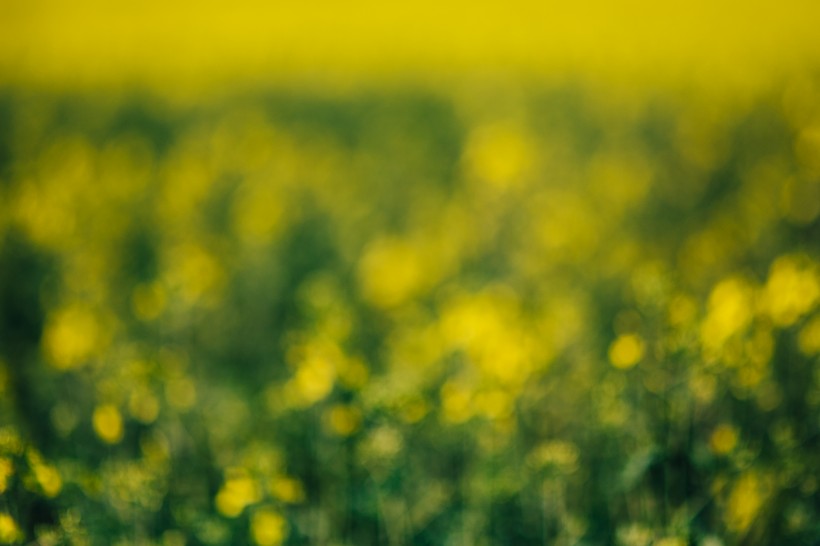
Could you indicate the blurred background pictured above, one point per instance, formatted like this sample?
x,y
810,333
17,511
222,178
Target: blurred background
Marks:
x,y
466,273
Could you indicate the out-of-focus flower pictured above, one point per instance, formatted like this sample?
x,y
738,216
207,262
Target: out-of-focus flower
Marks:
x,y
10,533
723,439
239,491
746,499
626,351
729,311
792,289
108,425
72,335
268,527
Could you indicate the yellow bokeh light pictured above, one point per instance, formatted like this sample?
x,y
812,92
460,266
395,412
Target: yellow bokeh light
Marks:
x,y
723,439
196,273
314,379
10,533
488,327
626,351
745,501
729,311
268,527
344,420
287,489
391,271
108,425
792,289
72,335
47,476
49,479
239,491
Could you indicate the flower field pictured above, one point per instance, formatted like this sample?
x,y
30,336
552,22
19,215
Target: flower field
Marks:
x,y
478,311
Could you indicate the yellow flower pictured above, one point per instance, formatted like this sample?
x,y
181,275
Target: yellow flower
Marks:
x,y
344,420
314,379
626,351
9,532
391,272
745,501
791,290
287,489
239,491
107,422
723,439
71,336
47,476
268,527
729,312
